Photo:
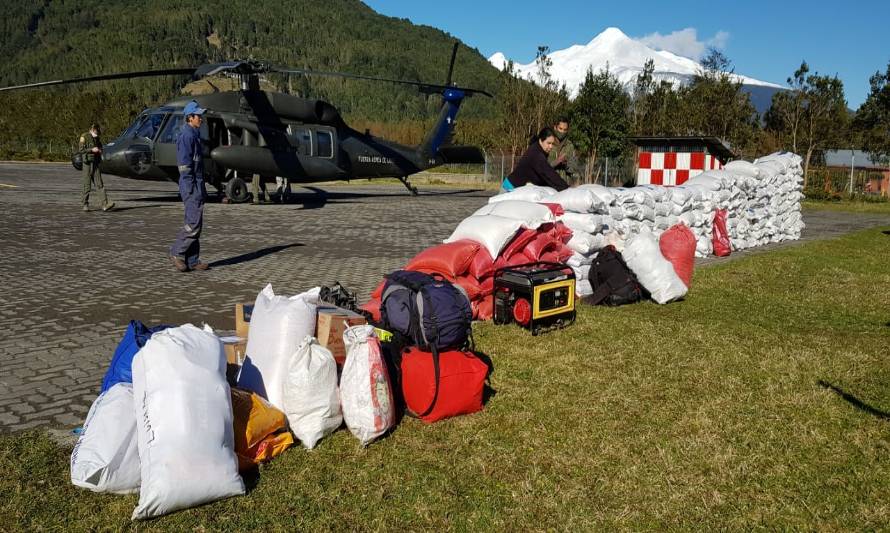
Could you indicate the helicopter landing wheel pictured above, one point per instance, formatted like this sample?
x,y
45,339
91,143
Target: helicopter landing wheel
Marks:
x,y
407,184
236,191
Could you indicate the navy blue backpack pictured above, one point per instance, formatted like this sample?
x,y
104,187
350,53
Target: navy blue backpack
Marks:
x,y
428,312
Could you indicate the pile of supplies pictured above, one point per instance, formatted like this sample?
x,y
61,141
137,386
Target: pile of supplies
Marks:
x,y
169,425
743,205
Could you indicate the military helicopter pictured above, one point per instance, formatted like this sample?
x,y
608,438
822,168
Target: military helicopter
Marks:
x,y
251,131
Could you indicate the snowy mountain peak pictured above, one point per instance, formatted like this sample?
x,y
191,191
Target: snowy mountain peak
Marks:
x,y
624,57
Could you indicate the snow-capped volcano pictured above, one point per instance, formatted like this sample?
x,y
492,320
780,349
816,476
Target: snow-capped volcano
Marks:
x,y
625,58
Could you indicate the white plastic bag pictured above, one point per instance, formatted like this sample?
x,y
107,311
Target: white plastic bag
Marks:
x,y
277,326
183,410
365,391
530,213
583,288
654,272
491,231
528,193
106,456
311,397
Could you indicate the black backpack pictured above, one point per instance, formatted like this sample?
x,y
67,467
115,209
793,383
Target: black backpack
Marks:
x,y
428,312
612,281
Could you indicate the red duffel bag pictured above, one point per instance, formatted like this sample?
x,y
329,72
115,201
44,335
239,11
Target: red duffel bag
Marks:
x,y
461,380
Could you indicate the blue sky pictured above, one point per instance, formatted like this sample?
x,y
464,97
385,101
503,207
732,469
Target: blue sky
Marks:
x,y
766,40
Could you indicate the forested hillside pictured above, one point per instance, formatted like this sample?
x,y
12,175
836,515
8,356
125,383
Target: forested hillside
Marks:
x,y
43,40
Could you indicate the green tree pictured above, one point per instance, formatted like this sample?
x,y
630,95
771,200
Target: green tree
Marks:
x,y
873,117
599,117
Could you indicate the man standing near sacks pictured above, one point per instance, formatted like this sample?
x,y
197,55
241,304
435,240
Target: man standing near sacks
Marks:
x,y
186,248
563,158
90,147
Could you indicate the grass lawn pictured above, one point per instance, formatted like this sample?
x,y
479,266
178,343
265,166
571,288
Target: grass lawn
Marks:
x,y
760,402
848,205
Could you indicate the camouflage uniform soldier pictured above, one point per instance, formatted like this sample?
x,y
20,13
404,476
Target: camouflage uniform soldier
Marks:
x,y
91,147
563,158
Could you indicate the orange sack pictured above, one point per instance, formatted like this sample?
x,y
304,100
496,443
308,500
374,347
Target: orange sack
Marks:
x,y
260,429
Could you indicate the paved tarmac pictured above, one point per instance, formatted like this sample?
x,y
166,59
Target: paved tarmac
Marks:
x,y
70,281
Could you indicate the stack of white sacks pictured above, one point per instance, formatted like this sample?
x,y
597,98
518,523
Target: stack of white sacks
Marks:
x,y
762,200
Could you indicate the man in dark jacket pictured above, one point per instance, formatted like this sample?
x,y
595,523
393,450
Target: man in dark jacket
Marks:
x,y
534,168
91,147
186,249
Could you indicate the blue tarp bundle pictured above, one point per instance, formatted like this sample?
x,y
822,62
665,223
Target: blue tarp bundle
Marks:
x,y
121,368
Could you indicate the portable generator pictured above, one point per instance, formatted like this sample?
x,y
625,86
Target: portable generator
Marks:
x,y
537,296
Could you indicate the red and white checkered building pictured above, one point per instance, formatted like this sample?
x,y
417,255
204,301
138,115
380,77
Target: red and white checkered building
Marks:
x,y
673,160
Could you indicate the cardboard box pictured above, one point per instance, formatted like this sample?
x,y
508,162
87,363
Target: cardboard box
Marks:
x,y
332,322
242,319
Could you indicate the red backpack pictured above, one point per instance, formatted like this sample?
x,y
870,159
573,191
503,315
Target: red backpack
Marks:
x,y
461,381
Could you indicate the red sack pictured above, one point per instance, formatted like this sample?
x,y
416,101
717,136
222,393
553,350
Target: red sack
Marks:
x,y
519,242
515,260
378,292
452,258
482,264
461,383
677,245
483,308
556,209
470,285
563,253
538,247
720,236
561,232
486,286
549,257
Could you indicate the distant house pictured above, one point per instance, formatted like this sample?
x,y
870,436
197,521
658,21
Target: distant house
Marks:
x,y
875,176
673,160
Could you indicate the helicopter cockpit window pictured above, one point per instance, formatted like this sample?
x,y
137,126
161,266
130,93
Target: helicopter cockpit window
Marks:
x,y
171,129
325,144
149,126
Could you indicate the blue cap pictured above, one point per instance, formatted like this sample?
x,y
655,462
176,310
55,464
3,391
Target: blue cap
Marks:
x,y
192,108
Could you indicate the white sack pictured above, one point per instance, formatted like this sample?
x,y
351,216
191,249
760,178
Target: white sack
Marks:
x,y
655,273
183,412
583,288
527,193
582,272
277,326
530,213
742,167
491,231
106,456
583,222
604,194
311,397
584,243
577,199
365,391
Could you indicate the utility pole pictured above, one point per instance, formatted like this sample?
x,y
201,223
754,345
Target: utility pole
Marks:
x,y
852,159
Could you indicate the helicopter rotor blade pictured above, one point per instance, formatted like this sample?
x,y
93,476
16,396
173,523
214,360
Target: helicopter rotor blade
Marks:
x,y
424,87
451,64
106,77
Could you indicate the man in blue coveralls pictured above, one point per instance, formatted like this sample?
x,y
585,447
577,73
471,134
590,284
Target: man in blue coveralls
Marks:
x,y
190,157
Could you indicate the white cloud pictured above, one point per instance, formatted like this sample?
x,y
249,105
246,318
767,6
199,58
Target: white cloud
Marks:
x,y
685,42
